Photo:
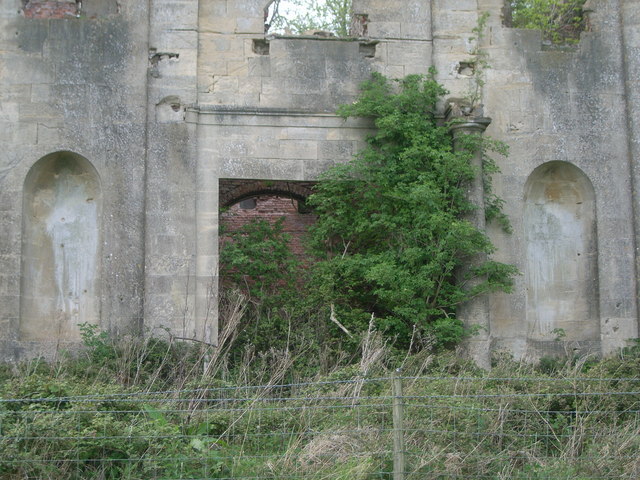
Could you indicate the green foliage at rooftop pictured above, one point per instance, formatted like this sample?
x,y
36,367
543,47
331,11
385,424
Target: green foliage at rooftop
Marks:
x,y
561,21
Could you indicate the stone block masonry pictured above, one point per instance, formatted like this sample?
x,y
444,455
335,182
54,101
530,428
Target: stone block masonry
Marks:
x,y
153,115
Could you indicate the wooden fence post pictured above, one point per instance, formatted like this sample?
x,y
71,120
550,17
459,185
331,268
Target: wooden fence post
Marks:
x,y
398,428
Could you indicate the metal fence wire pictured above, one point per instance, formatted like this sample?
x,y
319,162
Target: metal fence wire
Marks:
x,y
398,428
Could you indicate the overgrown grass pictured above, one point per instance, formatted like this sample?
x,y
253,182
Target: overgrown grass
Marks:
x,y
156,408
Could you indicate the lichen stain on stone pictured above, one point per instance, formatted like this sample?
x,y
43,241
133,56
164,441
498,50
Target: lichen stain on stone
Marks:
x,y
72,228
562,192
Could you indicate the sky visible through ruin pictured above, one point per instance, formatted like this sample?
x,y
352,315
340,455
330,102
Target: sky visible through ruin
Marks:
x,y
291,9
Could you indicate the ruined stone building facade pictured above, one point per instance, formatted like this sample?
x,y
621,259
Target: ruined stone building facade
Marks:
x,y
125,124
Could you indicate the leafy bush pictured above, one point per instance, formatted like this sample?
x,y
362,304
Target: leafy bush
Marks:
x,y
390,242
256,260
391,233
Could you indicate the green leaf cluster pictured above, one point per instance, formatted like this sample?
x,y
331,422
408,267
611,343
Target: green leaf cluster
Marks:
x,y
560,21
391,232
257,261
71,438
257,258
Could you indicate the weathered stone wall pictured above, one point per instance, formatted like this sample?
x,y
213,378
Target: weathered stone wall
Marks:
x,y
76,85
568,106
165,99
403,36
170,227
630,37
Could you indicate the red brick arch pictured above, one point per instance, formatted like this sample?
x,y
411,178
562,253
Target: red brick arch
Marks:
x,y
233,191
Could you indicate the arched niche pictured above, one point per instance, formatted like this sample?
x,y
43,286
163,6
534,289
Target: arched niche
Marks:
x,y
61,238
561,254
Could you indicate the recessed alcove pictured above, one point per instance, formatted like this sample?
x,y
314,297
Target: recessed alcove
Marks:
x,y
561,254
61,238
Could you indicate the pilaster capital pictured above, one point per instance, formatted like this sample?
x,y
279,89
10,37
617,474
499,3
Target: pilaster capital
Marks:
x,y
464,118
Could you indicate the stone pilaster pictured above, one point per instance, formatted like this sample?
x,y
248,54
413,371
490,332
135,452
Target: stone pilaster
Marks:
x,y
465,120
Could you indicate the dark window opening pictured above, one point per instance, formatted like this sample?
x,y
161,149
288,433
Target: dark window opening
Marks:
x,y
368,49
260,47
248,204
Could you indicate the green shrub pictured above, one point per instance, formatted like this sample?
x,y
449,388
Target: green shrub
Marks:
x,y
391,234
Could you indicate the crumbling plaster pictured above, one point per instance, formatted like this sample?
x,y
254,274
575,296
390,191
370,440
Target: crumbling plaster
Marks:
x,y
164,98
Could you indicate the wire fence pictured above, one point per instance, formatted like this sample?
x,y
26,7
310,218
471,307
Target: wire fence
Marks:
x,y
398,428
